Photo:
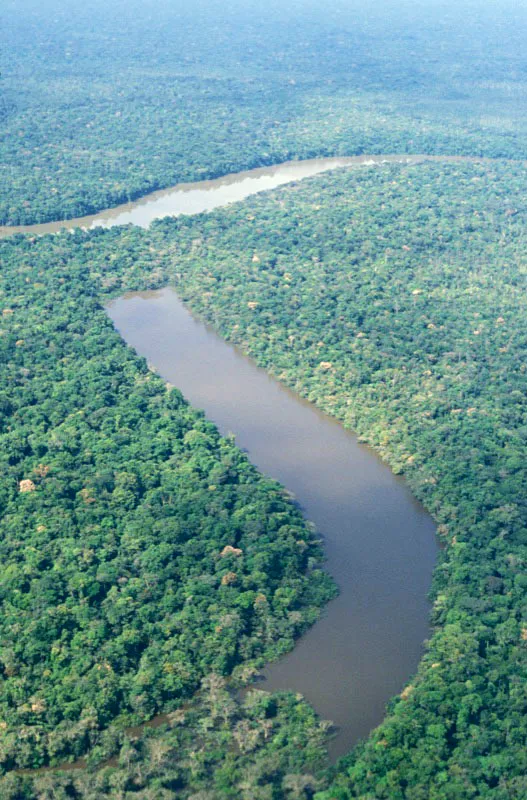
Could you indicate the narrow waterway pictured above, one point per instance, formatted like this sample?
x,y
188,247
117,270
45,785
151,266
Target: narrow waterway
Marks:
x,y
192,198
379,542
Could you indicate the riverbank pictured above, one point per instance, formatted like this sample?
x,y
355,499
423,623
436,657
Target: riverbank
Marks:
x,y
378,540
194,198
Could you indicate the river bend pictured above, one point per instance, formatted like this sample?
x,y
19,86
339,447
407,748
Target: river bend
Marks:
x,y
193,198
378,540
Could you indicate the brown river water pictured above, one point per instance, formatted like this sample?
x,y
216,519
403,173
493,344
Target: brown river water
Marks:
x,y
379,542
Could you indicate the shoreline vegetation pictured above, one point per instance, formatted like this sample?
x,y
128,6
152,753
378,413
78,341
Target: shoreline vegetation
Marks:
x,y
124,213
451,328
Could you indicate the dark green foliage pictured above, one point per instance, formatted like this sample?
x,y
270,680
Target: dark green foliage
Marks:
x,y
117,501
410,283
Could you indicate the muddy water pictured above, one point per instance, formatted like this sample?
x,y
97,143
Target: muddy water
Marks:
x,y
379,541
192,198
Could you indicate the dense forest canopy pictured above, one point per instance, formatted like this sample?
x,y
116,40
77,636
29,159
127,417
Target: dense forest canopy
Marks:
x,y
104,102
424,327
140,551
146,565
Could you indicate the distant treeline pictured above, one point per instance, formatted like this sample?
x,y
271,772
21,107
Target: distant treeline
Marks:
x,y
110,101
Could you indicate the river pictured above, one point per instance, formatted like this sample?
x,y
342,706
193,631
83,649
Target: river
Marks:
x,y
192,198
379,542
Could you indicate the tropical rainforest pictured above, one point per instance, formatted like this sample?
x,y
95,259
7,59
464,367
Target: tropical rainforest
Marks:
x,y
148,570
101,102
